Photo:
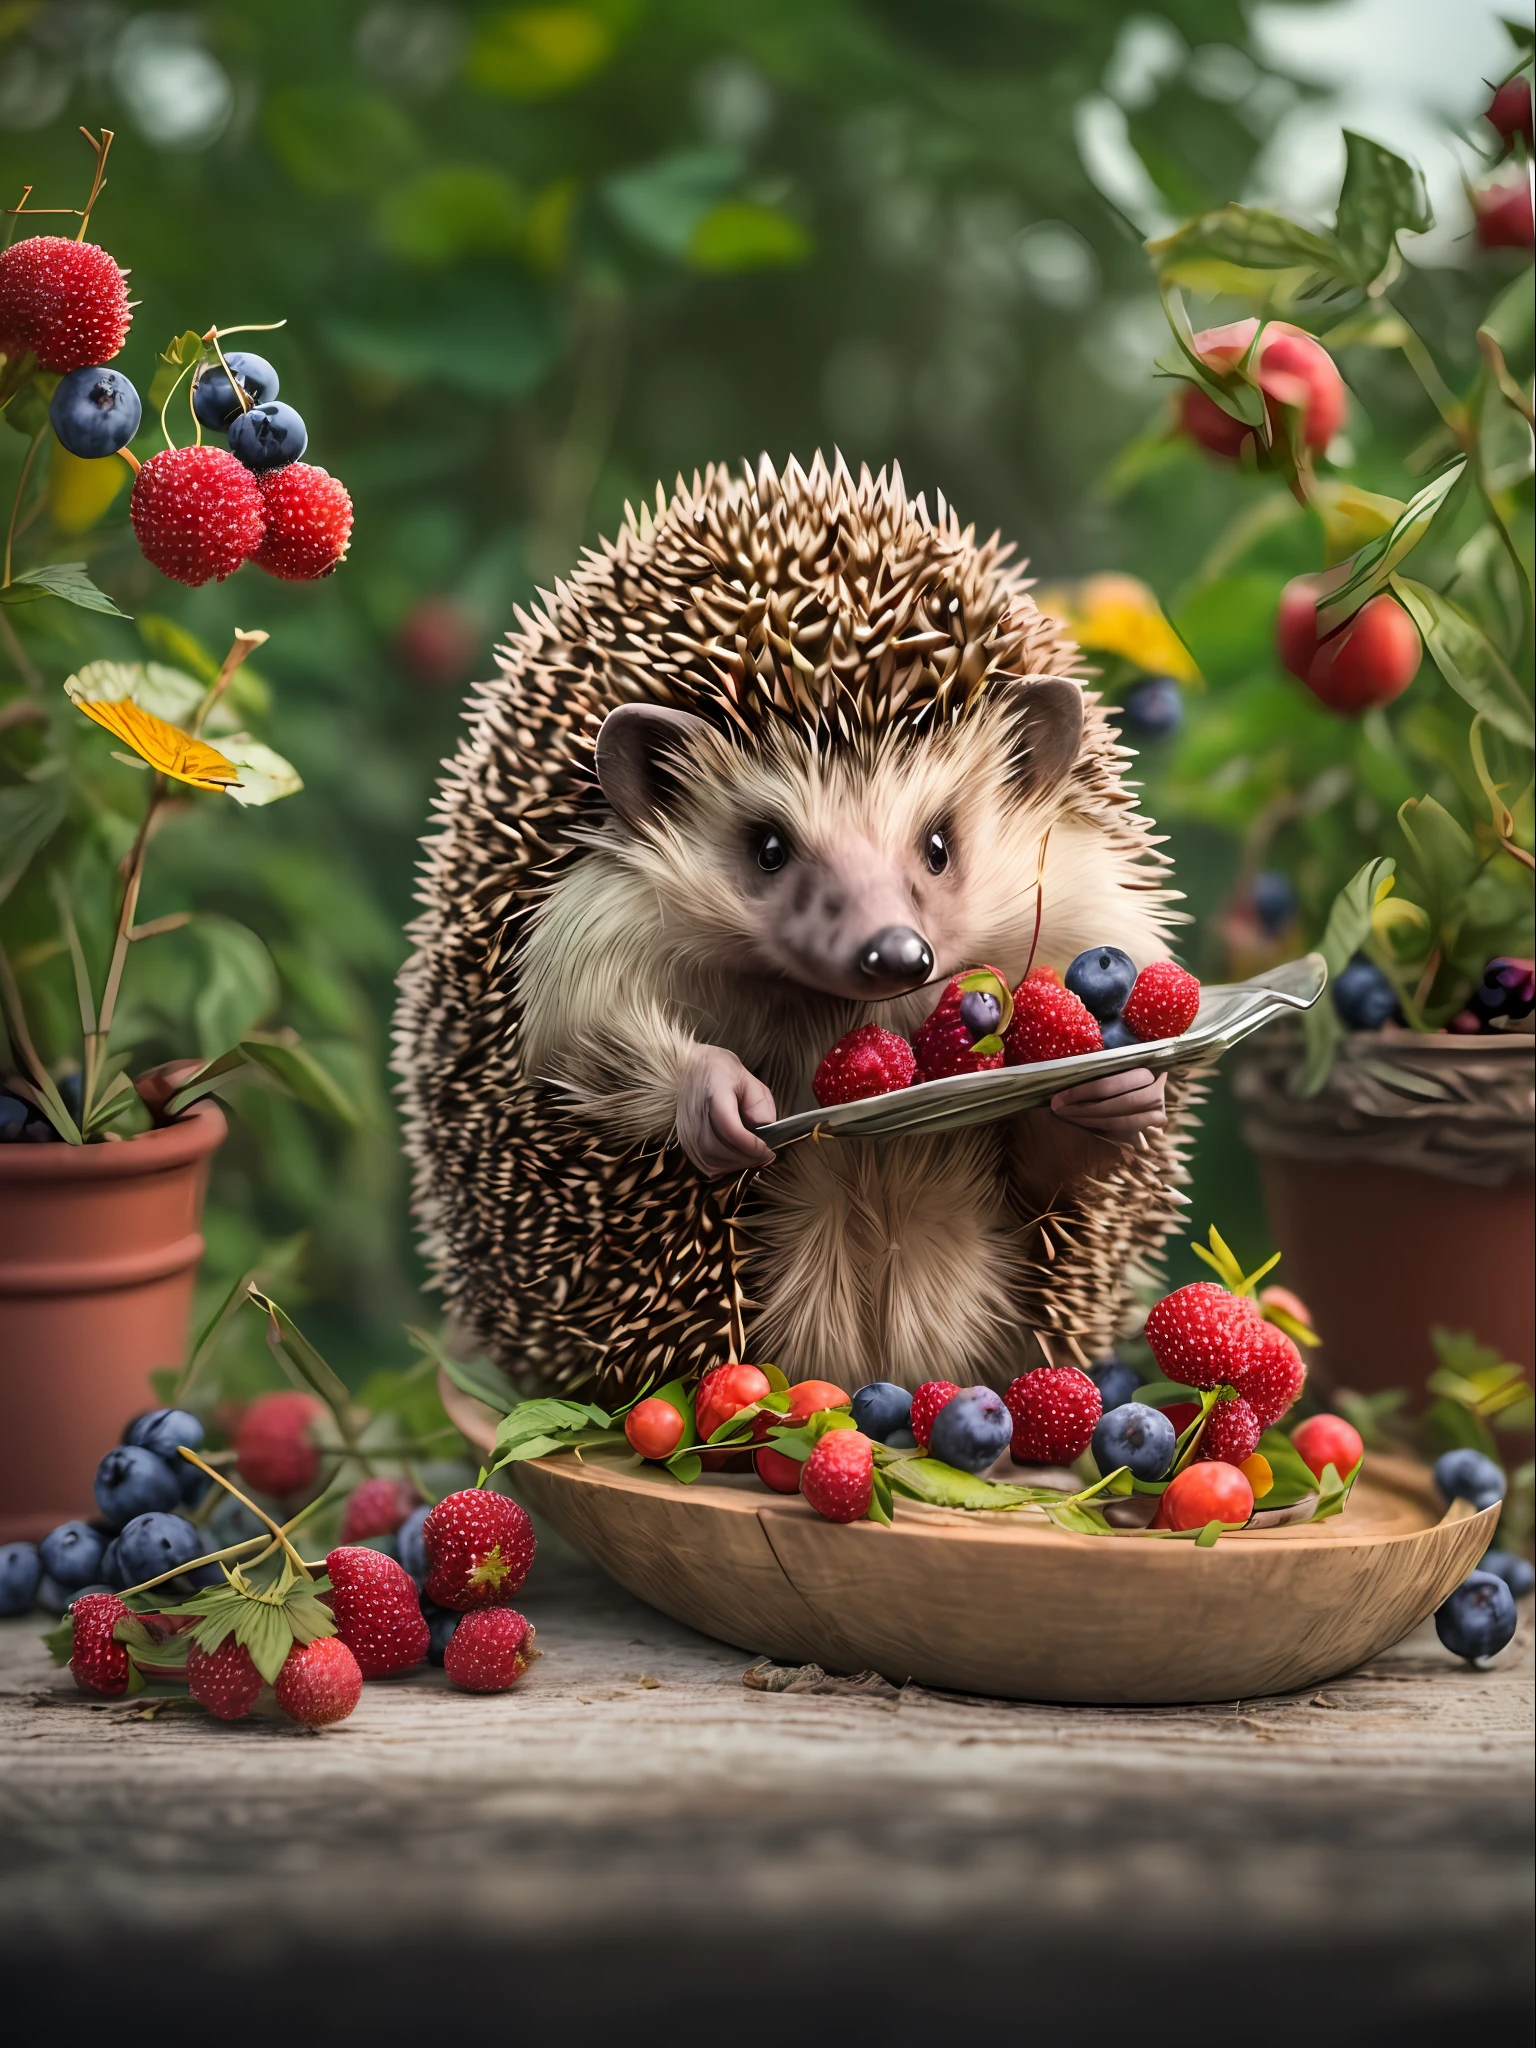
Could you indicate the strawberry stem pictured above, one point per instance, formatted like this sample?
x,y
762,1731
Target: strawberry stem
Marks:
x,y
202,1465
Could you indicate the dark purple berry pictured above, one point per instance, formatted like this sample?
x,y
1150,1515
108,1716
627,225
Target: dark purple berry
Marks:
x,y
1102,978
1479,1619
95,412
976,1429
980,1013
213,396
880,1408
268,436
1273,896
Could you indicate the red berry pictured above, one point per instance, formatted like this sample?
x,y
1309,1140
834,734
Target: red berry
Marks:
x,y
1290,368
320,1682
225,1681
1231,1433
198,513
869,1061
64,300
1204,1493
930,1397
1324,1440
1202,1335
1181,1414
480,1546
378,1611
951,1038
776,1471
490,1651
1164,1001
1369,660
1055,1411
438,640
309,522
1274,1374
1049,1022
1503,212
723,1392
654,1428
1509,112
838,1478
99,1663
274,1450
377,1507
1289,1304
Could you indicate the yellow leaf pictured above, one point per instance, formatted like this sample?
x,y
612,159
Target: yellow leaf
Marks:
x,y
166,747
80,491
1114,614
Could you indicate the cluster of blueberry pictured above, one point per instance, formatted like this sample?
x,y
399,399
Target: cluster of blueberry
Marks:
x,y
1480,1618
145,1494
21,1124
1366,1000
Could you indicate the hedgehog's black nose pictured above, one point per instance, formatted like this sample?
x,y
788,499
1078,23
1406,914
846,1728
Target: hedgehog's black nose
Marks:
x,y
898,954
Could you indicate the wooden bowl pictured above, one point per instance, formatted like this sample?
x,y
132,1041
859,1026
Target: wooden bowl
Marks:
x,y
1008,1604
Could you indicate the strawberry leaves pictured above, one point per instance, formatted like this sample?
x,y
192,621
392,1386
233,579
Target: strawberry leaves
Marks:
x,y
267,1621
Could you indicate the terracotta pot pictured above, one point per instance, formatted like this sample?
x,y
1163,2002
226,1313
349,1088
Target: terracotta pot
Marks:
x,y
99,1248
1402,1197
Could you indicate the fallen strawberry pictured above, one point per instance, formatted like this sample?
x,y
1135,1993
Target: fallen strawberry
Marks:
x,y
225,1681
377,1610
490,1650
97,1661
320,1682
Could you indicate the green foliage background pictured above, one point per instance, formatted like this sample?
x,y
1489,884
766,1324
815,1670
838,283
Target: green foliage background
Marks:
x,y
532,260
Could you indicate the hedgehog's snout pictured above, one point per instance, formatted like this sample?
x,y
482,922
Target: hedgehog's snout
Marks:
x,y
896,959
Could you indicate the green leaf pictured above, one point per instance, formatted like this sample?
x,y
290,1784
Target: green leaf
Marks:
x,y
239,983
662,204
1382,197
1374,565
1293,1476
1250,237
264,775
1444,859
59,1641
537,53
740,235
289,1344
944,1486
1078,1517
491,335
1511,320
1334,1492
336,143
67,581
477,1377
30,814
1348,928
299,1074
1209,1536
1468,660
451,212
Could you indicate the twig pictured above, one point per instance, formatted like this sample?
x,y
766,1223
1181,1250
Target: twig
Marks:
x,y
21,485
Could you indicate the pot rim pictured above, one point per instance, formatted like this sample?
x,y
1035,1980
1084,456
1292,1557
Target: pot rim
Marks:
x,y
194,1134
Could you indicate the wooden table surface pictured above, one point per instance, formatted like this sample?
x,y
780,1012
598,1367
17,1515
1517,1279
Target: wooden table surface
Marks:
x,y
633,1846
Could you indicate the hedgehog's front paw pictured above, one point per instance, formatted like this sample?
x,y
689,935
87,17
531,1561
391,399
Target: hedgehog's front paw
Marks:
x,y
1120,1107
716,1101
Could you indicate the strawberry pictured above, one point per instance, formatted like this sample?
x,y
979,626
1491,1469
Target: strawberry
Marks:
x,y
490,1651
479,1545
98,1661
225,1681
930,1397
377,1610
319,1682
377,1507
65,301
309,522
838,1478
1273,1376
1231,1434
274,1451
1049,1022
1202,1335
197,512
868,1061
1163,1003
1055,1411
723,1392
962,1034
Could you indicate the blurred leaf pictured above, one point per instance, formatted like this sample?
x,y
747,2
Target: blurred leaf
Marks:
x,y
663,203
240,985
264,776
1379,558
286,1338
1444,860
300,1074
740,235
65,580
80,492
1479,1378
452,211
1468,660
1511,322
30,814
477,1377
1247,236
1229,625
536,53
1382,197
1349,926
492,336
1351,517
338,144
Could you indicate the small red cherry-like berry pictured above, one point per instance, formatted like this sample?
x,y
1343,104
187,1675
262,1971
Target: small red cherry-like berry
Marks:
x,y
1503,213
1289,367
654,1428
1204,1493
724,1391
197,513
1369,660
777,1472
309,522
1324,1440
1509,111
65,301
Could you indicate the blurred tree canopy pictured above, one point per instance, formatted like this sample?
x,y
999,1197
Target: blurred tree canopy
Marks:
x,y
531,260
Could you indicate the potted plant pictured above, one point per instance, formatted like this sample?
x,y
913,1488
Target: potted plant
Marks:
x,y
102,1168
1382,802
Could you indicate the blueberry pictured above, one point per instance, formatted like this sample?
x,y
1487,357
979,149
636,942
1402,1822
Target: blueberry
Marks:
x,y
1273,896
152,1544
901,1440
1516,1571
980,1013
1479,1619
976,1429
1363,996
441,1623
268,436
1508,990
1153,708
1101,979
131,1481
213,396
409,1548
56,1599
1117,1033
1136,1436
20,1571
1117,1382
72,1553
71,1087
112,1568
163,1431
95,412
879,1408
13,1116
1468,1475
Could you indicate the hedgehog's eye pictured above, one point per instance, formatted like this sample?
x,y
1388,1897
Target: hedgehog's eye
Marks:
x,y
772,850
936,851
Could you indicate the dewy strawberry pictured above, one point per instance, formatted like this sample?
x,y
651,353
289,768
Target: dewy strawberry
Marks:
x,y
480,1546
197,512
1049,1022
309,522
377,1610
838,1478
1203,1336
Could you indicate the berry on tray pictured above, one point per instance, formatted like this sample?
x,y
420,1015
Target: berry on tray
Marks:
x,y
1164,1002
1324,1440
1102,979
869,1061
972,1431
490,1651
1461,1475
778,1473
930,1397
320,1682
1479,1619
1273,1376
881,1407
1055,1411
225,1681
1231,1433
962,1036
1203,1335
377,1610
480,1546
1116,1381
654,1428
1135,1436
723,1392
1049,1022
1209,1492
838,1478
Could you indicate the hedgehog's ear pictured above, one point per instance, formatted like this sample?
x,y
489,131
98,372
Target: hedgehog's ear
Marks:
x,y
633,744
1047,731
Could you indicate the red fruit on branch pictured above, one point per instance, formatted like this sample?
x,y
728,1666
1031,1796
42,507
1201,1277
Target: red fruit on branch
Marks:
x,y
1502,212
309,522
97,1661
1509,111
65,301
1289,367
198,513
377,1507
320,1682
1367,661
274,1449
225,1681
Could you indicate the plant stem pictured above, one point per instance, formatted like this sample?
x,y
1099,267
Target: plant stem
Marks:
x,y
1441,396
240,648
202,1465
133,875
21,485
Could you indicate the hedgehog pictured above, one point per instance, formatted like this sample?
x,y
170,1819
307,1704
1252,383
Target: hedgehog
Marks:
x,y
776,761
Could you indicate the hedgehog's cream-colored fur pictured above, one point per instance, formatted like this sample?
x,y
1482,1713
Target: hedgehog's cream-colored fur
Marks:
x,y
859,665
